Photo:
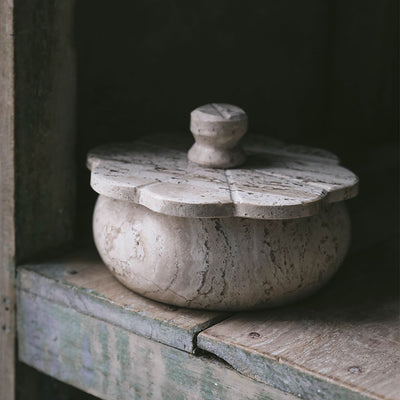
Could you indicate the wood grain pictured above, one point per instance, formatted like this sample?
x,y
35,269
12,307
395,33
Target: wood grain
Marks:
x,y
343,342
45,87
7,231
83,283
113,363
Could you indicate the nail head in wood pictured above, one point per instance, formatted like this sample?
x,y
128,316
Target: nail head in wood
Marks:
x,y
217,129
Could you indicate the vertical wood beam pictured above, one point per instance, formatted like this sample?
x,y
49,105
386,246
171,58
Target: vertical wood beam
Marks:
x,y
7,232
45,87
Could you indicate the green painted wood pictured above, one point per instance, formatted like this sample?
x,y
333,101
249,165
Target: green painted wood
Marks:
x,y
81,281
113,363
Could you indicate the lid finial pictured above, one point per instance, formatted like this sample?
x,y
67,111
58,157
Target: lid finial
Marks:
x,y
217,129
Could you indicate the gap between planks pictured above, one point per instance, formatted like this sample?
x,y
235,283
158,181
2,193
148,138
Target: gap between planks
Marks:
x,y
82,282
342,341
111,362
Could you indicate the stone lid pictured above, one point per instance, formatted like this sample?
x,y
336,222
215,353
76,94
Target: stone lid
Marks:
x,y
277,181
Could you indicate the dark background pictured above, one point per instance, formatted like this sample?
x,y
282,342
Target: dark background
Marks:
x,y
317,72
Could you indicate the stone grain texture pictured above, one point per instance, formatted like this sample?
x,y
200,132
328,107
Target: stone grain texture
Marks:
x,y
277,181
267,233
219,263
217,129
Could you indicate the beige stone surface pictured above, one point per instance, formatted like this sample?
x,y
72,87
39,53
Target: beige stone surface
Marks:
x,y
269,232
219,263
277,181
217,129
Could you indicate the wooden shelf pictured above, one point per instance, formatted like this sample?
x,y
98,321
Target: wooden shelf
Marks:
x,y
81,326
82,282
78,324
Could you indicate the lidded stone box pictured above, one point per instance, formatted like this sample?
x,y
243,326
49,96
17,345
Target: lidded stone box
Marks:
x,y
224,226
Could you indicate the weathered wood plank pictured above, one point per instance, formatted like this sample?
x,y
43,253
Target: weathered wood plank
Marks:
x,y
313,358
45,103
342,343
83,283
7,231
113,363
44,84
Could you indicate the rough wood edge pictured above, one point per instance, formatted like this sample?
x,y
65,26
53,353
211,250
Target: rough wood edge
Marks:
x,y
283,376
110,362
7,229
93,304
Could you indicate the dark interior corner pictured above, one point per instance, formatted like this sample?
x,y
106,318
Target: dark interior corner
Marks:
x,y
316,73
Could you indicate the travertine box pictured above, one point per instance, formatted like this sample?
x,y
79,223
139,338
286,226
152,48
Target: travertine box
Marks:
x,y
221,227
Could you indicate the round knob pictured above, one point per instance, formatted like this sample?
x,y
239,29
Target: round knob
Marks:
x,y
217,129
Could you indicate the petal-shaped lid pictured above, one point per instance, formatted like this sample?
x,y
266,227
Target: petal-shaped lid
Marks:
x,y
277,181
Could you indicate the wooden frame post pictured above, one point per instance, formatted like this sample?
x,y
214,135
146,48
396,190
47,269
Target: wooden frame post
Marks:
x,y
7,226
